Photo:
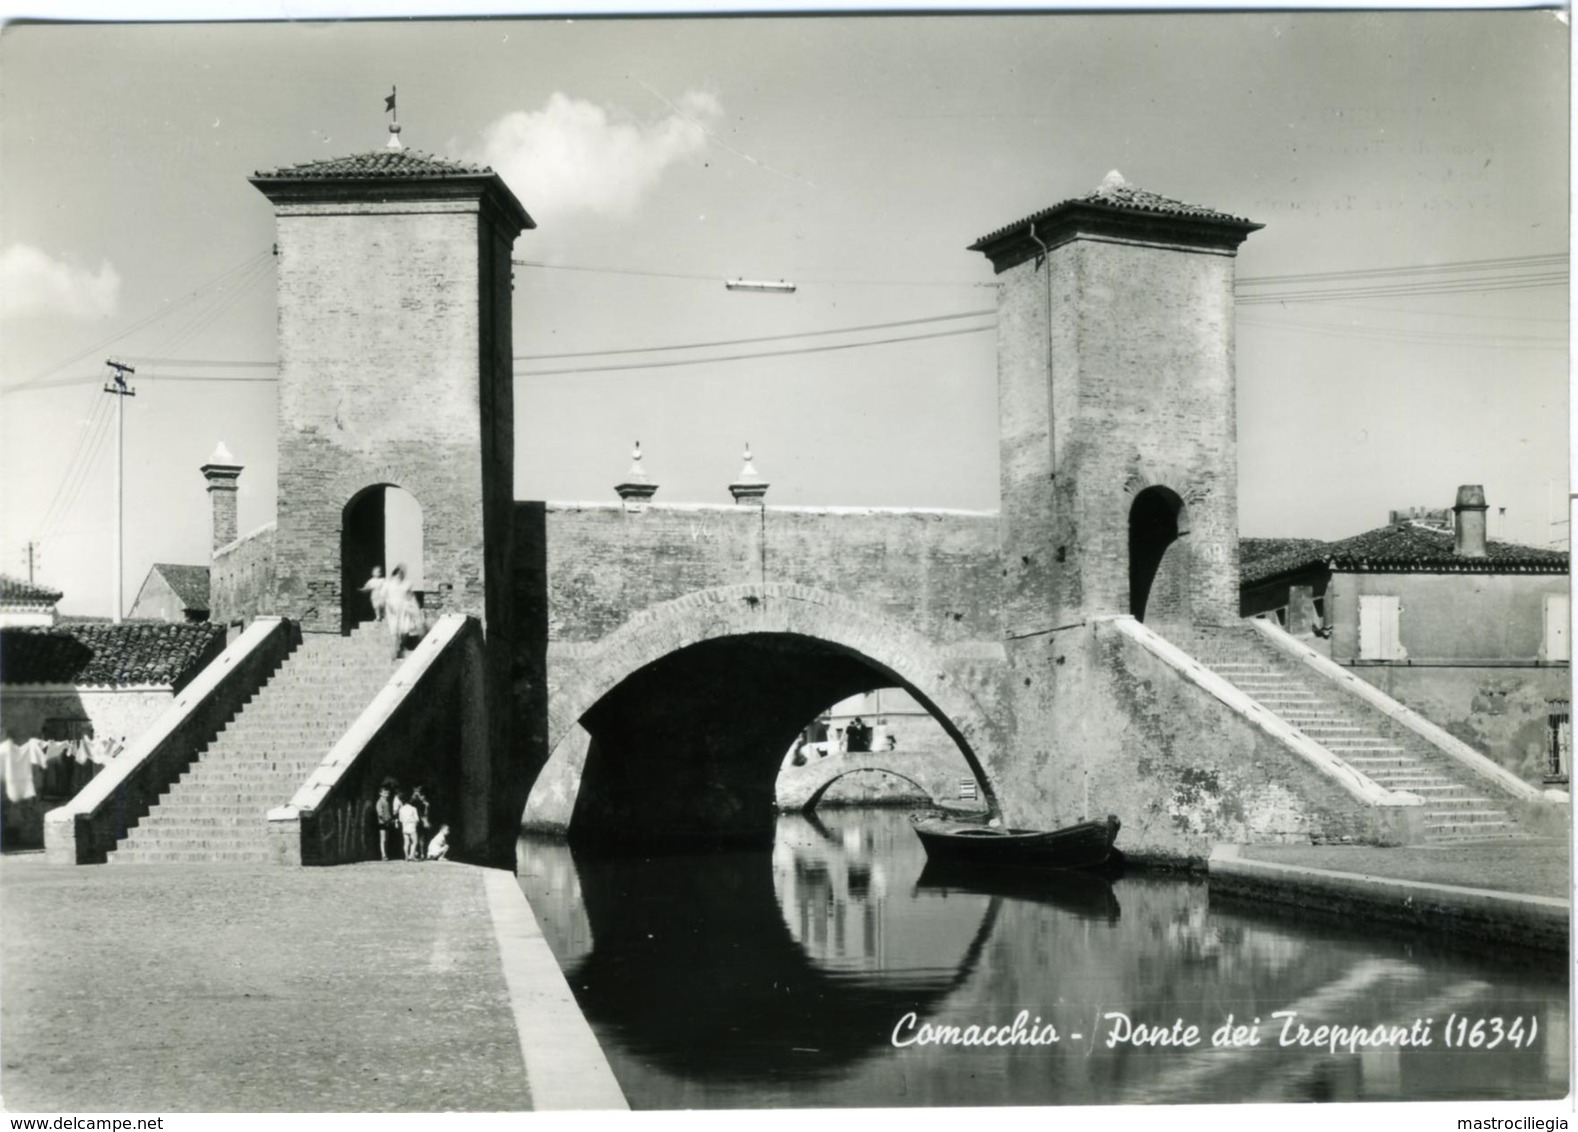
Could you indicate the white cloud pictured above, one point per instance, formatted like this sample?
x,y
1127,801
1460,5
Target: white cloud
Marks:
x,y
33,284
568,157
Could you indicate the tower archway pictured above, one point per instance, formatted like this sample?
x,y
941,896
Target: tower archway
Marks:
x,y
1158,568
380,528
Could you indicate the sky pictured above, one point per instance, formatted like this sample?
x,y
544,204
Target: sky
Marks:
x,y
1411,170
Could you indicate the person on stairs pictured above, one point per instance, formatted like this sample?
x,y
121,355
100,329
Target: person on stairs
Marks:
x,y
401,612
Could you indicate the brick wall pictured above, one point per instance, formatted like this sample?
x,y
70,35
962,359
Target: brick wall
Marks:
x,y
115,713
935,571
1141,393
1116,730
394,354
241,578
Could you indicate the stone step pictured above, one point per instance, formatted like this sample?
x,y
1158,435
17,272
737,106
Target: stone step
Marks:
x,y
258,855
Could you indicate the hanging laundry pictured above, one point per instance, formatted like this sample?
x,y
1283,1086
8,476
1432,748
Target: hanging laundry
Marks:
x,y
81,767
18,772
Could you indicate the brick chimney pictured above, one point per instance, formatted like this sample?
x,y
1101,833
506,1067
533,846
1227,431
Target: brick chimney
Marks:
x,y
222,471
1470,521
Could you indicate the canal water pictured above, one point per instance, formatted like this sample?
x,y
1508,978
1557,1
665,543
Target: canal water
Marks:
x,y
837,970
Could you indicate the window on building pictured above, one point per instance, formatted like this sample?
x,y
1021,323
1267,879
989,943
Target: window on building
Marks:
x,y
1379,622
1557,621
69,730
1559,746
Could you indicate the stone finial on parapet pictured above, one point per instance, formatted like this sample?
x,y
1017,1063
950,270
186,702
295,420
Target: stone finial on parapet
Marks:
x,y
749,487
221,471
638,486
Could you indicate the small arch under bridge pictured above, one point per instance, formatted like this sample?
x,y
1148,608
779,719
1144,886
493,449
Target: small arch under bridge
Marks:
x,y
943,776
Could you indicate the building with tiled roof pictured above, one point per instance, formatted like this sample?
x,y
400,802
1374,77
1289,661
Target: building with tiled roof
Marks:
x,y
172,593
1403,547
24,603
131,654
1469,631
96,679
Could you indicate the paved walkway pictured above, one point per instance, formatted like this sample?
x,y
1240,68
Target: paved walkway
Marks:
x,y
174,988
1508,894
1536,868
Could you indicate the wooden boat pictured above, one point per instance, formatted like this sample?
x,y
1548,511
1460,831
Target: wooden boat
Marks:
x,y
1084,846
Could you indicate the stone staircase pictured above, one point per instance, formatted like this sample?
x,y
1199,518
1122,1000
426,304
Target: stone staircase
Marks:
x,y
1459,806
216,810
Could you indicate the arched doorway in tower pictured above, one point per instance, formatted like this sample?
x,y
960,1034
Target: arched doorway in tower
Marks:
x,y
1158,561
381,528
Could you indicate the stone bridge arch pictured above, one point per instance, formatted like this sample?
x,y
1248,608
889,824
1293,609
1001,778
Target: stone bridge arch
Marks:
x,y
934,773
619,770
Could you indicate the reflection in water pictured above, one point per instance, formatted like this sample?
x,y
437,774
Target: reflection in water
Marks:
x,y
777,979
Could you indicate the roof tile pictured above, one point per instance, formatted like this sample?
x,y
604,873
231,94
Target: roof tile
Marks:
x,y
133,652
190,584
14,591
382,163
1118,194
1399,548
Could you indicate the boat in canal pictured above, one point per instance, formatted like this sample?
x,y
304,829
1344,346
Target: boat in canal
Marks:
x,y
1087,845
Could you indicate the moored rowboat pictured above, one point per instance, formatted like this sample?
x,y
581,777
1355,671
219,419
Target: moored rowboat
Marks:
x,y
1082,846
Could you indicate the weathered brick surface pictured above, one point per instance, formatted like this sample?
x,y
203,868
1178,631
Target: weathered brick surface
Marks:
x,y
1133,388
1113,729
907,598
933,570
394,369
241,578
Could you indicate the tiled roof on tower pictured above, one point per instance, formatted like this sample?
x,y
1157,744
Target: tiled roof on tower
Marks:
x,y
398,173
380,163
1113,203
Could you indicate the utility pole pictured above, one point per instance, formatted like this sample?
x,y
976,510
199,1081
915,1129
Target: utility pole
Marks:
x,y
117,386
31,547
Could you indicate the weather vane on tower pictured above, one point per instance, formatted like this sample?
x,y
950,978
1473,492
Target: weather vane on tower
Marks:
x,y
394,120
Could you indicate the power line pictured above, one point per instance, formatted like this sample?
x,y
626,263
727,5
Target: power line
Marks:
x,y
77,450
148,320
758,354
81,474
1444,287
204,363
1414,336
1459,266
718,277
765,338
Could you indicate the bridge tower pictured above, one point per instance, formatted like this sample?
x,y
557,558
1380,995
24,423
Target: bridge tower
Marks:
x,y
1118,453
394,373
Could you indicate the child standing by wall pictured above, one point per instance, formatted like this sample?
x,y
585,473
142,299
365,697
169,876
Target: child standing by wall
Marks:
x,y
410,818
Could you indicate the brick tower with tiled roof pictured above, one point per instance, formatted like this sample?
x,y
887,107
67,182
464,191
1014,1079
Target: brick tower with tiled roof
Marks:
x,y
394,286
1119,467
1117,409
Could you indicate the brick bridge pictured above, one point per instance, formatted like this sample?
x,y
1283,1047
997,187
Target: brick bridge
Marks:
x,y
687,646
637,669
